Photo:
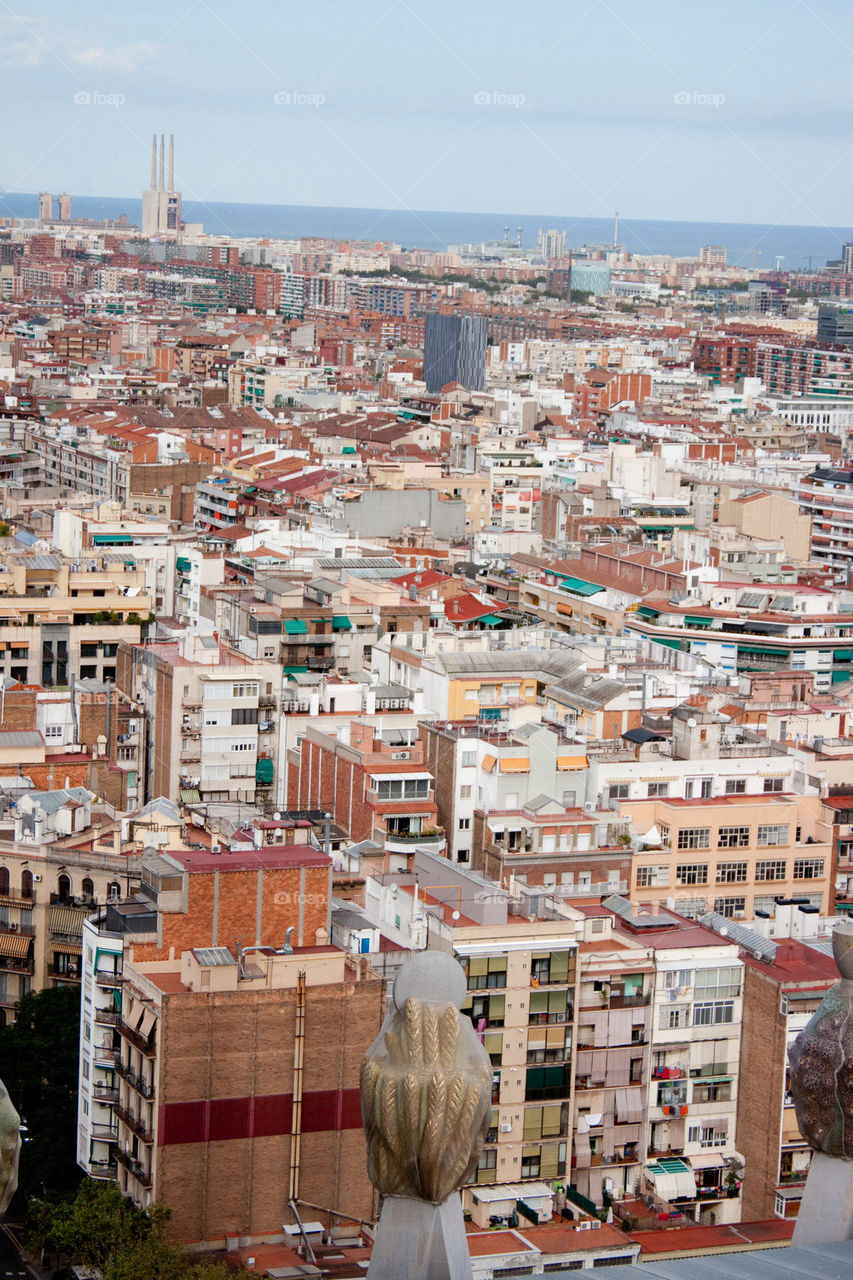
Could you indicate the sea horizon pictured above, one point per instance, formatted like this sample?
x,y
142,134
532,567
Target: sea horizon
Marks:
x,y
755,245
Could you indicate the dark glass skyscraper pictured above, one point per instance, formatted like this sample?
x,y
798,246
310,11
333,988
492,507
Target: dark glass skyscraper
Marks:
x,y
455,351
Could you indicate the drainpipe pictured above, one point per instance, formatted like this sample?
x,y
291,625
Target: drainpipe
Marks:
x,y
109,685
298,1064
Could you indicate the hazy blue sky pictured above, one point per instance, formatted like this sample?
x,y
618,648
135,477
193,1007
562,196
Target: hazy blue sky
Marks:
x,y
737,111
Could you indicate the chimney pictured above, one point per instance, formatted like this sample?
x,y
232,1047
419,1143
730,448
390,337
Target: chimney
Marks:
x,y
171,162
154,162
162,159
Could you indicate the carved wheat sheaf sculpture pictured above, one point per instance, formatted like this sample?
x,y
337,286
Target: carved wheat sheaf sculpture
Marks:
x,y
426,1097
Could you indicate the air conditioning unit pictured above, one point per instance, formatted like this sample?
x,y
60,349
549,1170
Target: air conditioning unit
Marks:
x,y
506,1128
584,1225
36,879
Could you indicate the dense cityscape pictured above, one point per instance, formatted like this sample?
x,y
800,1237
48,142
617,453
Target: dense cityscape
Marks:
x,y
360,600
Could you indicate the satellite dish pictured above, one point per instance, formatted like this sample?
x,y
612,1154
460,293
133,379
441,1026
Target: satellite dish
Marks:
x,y
448,726
691,723
276,817
454,915
724,933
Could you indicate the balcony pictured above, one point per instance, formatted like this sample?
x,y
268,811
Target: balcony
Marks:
x,y
106,1017
106,1093
10,964
133,1122
134,1167
140,1042
108,978
102,1170
405,841
136,1082
105,1133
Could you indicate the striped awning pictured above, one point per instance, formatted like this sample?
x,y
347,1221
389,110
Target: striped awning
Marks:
x,y
572,762
190,795
14,944
67,920
68,948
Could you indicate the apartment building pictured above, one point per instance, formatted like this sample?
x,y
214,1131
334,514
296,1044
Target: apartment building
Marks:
x,y
785,979
221,1042
61,616
210,718
733,854
826,496
375,790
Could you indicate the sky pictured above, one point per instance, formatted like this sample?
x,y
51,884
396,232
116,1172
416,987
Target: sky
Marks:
x,y
732,111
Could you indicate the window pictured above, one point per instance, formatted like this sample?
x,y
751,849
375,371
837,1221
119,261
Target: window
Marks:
x,y
647,876
53,731
717,984
808,868
402,788
674,978
772,869
707,1135
764,903
87,888
619,790
244,715
4,882
734,908
249,690
469,759
768,835
691,873
731,873
773,784
735,786
26,884
63,887
657,790
694,838
464,824
485,972
733,838
113,891
463,855
674,1017
664,833
465,793
713,1013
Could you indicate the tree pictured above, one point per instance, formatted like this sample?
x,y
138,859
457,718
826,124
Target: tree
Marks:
x,y
39,1065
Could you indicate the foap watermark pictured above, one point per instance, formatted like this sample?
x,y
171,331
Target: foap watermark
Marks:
x,y
95,98
498,99
283,899
296,98
695,99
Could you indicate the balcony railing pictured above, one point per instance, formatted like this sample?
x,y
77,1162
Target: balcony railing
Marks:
x,y
105,1093
135,1123
108,978
105,1132
136,1082
134,1167
103,1170
140,1042
106,1017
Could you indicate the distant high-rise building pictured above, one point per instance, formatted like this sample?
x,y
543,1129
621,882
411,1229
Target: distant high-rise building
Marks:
x,y
45,206
455,351
551,244
847,258
835,324
64,207
161,204
713,255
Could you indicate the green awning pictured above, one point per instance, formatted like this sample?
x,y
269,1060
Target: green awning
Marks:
x,y
698,622
348,448
295,626
670,644
838,676
190,795
647,611
489,713
264,772
763,649
341,623
252,488
112,540
580,587
294,671
183,565
844,655
490,620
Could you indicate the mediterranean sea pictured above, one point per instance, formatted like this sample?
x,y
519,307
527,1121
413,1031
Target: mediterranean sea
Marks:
x,y
747,244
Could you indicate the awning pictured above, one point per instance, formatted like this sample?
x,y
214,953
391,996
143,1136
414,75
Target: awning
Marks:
x,y
572,762
112,540
629,1106
67,920
673,1181
713,1160
148,1020
516,764
490,620
648,612
183,565
489,763
68,948
757,648
190,795
14,944
341,622
844,655
580,587
698,622
264,770
295,626
670,644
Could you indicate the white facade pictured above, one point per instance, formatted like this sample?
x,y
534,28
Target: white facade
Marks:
x,y
100,1007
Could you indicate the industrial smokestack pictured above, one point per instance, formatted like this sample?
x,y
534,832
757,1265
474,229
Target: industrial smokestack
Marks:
x,y
162,160
171,162
154,162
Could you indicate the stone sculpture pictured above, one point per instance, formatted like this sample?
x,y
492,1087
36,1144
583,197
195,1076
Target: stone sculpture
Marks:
x,y
426,1102
821,1081
10,1148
